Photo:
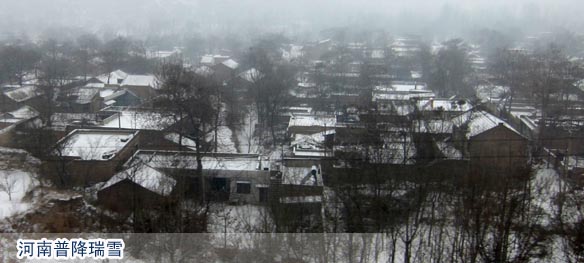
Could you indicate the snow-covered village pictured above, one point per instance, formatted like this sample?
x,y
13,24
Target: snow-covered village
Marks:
x,y
292,131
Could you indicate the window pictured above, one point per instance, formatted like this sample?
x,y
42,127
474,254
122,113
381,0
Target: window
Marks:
x,y
219,184
263,194
243,187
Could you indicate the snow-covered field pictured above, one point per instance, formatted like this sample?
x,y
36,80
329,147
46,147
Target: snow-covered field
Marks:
x,y
546,185
239,219
247,142
17,183
17,173
225,142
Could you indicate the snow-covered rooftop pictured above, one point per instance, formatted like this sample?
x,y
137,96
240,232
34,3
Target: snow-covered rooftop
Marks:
x,y
204,71
316,139
397,148
293,52
24,112
84,95
251,75
112,95
491,92
403,86
434,126
185,160
301,199
378,54
479,122
388,96
106,92
59,119
138,120
299,175
176,138
163,53
212,59
402,90
145,176
113,78
448,151
310,144
207,59
140,80
93,144
230,63
23,93
444,104
95,85
312,121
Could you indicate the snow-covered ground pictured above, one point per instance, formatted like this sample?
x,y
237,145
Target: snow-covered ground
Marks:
x,y
17,173
546,185
239,219
138,120
247,143
17,183
225,142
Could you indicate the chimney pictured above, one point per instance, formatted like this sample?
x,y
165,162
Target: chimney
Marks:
x,y
432,103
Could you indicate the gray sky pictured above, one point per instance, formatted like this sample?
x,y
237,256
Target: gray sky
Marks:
x,y
142,17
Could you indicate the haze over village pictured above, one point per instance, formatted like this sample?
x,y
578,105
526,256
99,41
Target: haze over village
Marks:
x,y
295,131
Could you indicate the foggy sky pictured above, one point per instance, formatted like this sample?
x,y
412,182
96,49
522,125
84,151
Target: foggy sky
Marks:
x,y
41,18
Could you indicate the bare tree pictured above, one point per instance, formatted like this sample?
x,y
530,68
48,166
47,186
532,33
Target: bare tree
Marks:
x,y
451,69
270,88
55,74
114,54
191,101
8,184
16,61
551,72
511,67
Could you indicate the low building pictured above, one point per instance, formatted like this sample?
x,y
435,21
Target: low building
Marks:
x,y
15,97
237,178
88,156
112,79
396,98
225,70
211,60
85,99
442,108
313,145
122,98
144,86
489,141
13,120
140,187
136,119
311,124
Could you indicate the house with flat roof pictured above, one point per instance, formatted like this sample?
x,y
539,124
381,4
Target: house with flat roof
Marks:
x,y
136,119
237,178
311,124
87,156
396,98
